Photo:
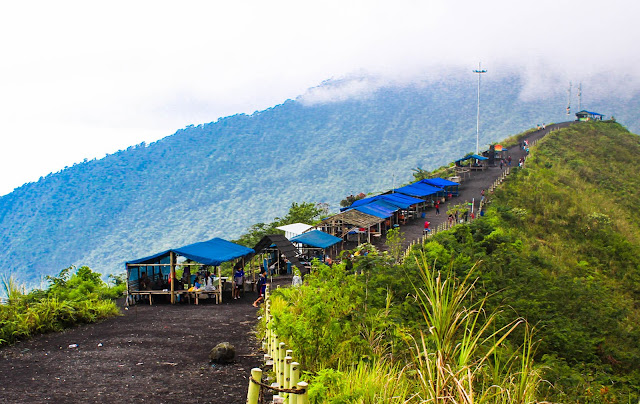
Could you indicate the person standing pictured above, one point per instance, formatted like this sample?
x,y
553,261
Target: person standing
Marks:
x,y
437,206
427,230
238,281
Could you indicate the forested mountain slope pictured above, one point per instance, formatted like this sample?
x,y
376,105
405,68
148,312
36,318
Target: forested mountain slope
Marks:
x,y
218,179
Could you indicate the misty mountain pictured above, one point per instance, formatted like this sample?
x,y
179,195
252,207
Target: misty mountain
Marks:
x,y
219,178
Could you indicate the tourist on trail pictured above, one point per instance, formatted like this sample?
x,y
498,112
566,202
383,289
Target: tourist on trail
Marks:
x,y
238,281
426,227
262,288
437,206
509,161
501,164
450,220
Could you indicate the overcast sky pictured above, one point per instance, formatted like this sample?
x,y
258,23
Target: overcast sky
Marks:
x,y
79,79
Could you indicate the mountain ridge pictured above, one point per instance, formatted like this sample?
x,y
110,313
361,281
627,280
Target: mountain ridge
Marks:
x,y
217,179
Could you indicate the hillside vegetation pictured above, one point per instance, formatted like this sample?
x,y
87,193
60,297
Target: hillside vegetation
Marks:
x,y
537,300
219,178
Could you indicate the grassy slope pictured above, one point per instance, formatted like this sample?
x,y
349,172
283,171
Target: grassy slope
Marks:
x,y
574,208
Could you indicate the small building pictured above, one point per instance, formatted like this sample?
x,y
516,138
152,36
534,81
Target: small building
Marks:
x,y
588,116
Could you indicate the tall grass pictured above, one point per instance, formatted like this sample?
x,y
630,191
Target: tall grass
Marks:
x,y
456,354
374,382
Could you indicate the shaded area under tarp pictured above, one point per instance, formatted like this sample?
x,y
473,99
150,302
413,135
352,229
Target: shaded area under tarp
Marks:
x,y
211,252
317,238
283,245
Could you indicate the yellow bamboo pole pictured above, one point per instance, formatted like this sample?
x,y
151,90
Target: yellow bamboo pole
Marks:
x,y
282,354
287,372
254,390
295,377
303,398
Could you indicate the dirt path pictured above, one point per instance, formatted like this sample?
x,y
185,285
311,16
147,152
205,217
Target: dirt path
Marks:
x,y
469,190
155,354
159,353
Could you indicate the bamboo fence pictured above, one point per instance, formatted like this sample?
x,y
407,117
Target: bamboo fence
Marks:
x,y
286,371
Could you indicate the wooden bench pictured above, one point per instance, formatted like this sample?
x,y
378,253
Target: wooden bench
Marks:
x,y
195,294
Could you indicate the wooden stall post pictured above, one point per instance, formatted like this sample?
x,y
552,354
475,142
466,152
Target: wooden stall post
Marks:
x,y
172,276
219,285
295,377
253,394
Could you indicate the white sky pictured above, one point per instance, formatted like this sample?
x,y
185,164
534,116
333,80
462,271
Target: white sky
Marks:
x,y
79,79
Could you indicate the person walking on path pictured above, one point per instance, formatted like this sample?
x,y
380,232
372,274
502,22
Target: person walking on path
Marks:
x,y
262,288
437,206
427,230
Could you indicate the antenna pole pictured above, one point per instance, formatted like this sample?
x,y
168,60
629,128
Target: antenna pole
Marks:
x,y
479,71
569,101
580,96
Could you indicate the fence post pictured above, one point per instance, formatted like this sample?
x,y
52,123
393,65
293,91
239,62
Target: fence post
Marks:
x,y
287,372
295,377
303,398
254,390
282,354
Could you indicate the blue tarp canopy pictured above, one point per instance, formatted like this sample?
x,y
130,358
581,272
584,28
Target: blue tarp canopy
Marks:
x,y
419,189
472,156
212,252
316,238
439,182
377,209
398,200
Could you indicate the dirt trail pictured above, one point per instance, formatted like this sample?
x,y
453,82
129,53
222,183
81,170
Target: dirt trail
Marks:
x,y
470,189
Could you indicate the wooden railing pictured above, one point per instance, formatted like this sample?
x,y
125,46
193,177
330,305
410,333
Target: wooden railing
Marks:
x,y
287,371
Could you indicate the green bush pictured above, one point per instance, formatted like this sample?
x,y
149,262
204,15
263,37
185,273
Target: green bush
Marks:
x,y
71,299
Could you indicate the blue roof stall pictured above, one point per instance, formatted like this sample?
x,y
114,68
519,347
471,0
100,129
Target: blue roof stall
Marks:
x,y
376,209
212,252
448,186
401,201
316,238
419,189
439,182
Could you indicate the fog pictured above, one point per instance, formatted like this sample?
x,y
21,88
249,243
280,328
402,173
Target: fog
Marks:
x,y
81,79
